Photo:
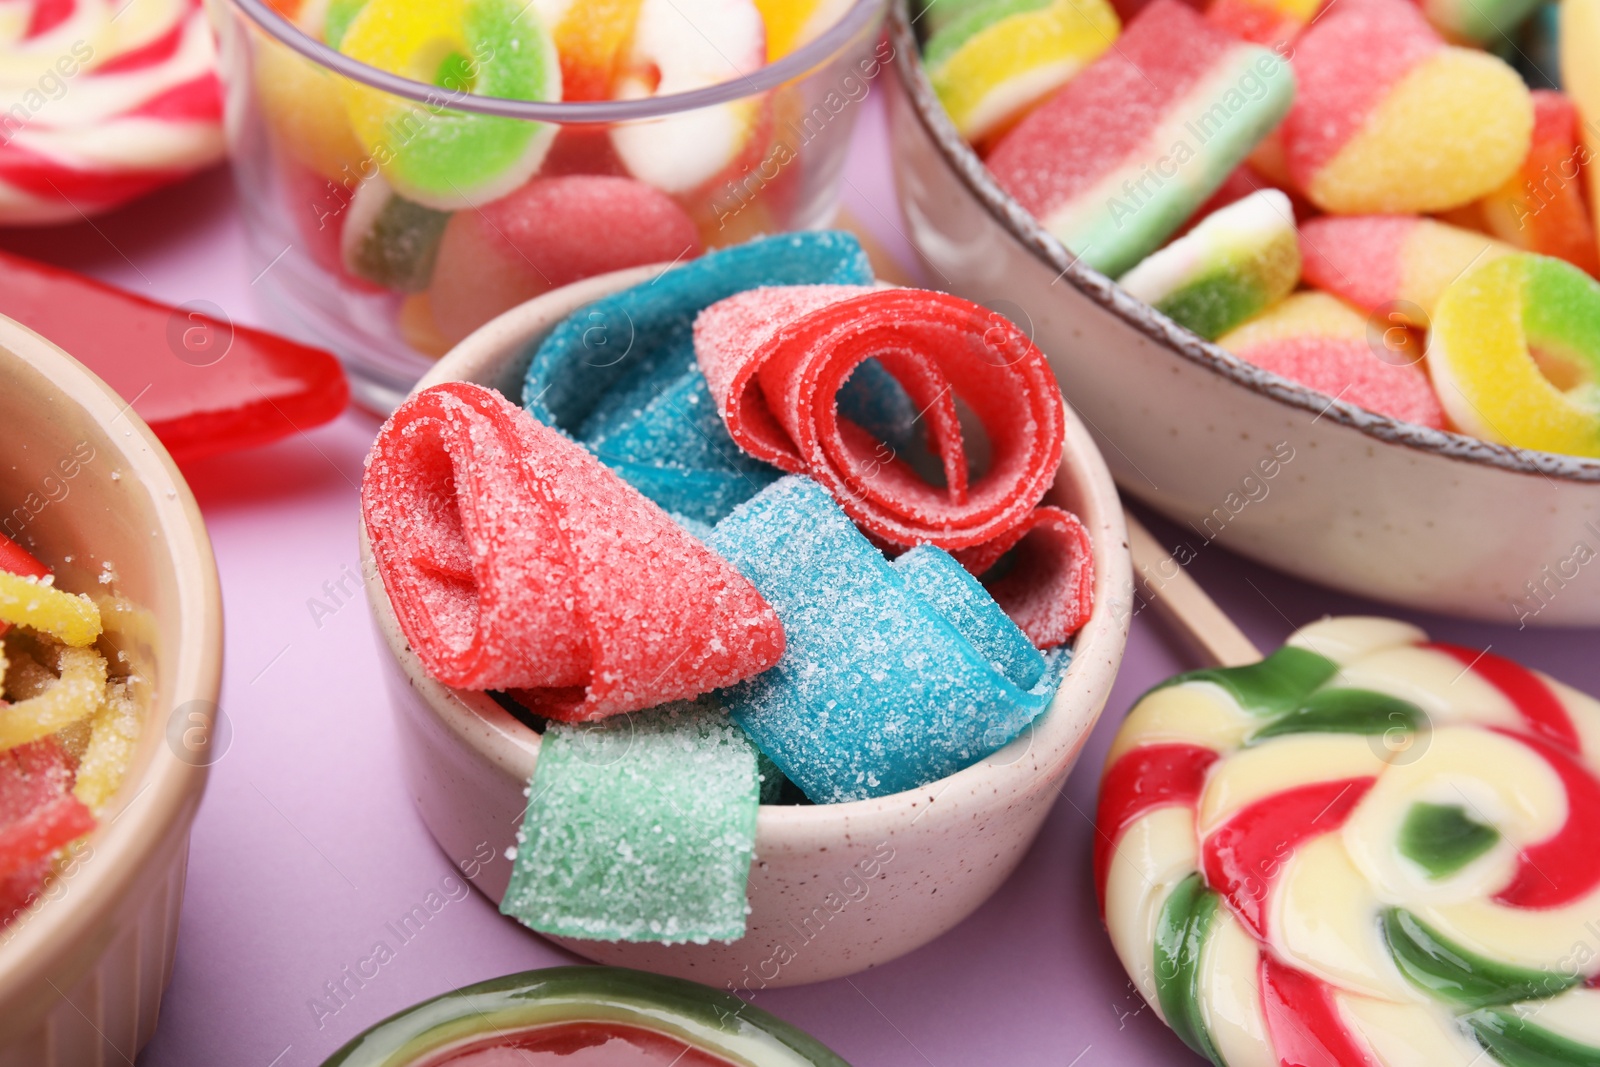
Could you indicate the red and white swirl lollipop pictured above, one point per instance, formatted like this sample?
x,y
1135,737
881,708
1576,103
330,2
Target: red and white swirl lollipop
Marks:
x,y
1367,850
102,101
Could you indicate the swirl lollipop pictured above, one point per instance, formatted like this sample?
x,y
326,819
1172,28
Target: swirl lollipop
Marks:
x,y
1367,849
101,102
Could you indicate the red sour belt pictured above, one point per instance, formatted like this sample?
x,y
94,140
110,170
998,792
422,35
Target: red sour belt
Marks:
x,y
515,560
775,360
38,815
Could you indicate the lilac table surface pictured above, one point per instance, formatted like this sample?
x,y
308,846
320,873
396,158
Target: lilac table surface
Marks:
x,y
307,845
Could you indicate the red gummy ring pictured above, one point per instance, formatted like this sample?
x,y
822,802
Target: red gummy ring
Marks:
x,y
775,360
515,560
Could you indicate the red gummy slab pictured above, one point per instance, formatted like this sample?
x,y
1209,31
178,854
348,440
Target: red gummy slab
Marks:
x,y
1344,65
775,359
515,560
262,388
38,814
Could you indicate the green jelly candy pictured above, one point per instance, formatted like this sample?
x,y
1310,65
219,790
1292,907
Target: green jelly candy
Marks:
x,y
639,828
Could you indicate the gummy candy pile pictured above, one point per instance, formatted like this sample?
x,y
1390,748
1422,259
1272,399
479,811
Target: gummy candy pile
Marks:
x,y
101,102
1368,849
734,547
1359,195
462,216
67,728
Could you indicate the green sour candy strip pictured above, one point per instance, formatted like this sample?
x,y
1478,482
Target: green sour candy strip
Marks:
x,y
639,828
971,22
1277,685
1517,1042
1443,838
1449,972
1346,711
1185,924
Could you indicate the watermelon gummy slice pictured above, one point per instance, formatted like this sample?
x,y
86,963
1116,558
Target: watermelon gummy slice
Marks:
x,y
515,560
775,360
620,375
894,674
640,828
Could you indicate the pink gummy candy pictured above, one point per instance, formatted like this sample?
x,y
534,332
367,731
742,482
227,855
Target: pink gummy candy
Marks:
x,y
775,360
515,560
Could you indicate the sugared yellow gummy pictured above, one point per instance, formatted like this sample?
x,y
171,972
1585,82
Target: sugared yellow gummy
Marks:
x,y
1452,130
68,617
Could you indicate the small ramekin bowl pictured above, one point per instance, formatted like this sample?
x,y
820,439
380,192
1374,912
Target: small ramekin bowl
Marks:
x,y
90,492
836,888
300,170
1412,516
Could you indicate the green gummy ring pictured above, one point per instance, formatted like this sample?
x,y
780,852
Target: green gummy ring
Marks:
x,y
432,155
702,1017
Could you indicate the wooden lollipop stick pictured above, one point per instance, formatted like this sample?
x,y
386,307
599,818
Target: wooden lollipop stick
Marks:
x,y
1182,604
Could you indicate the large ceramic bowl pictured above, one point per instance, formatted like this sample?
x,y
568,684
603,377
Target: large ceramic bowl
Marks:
x,y
82,972
1416,517
912,864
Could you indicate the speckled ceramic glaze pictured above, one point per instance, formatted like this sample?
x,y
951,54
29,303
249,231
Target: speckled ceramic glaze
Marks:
x,y
834,889
1397,512
82,972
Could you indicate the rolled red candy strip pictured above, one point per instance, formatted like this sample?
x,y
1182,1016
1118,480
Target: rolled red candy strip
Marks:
x,y
515,560
775,360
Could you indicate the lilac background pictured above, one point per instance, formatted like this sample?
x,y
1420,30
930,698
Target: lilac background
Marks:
x,y
307,844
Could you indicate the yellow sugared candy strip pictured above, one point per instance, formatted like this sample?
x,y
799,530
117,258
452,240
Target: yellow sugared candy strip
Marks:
x,y
74,695
67,617
1451,131
1515,354
114,731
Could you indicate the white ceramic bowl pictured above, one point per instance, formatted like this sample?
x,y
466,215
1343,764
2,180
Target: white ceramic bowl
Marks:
x,y
82,972
912,864
1368,505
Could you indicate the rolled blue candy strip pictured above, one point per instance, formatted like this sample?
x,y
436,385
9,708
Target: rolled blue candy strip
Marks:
x,y
620,376
893,675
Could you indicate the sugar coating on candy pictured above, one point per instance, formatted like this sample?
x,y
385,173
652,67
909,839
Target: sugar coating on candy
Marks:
x,y
776,360
1115,161
878,689
1541,208
1374,261
1515,354
946,585
1314,339
603,368
1041,574
38,815
548,233
640,828
1234,265
1387,118
998,59
515,560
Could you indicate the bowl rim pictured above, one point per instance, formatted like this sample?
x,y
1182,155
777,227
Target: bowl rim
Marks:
x,y
53,931
1156,327
478,722
825,47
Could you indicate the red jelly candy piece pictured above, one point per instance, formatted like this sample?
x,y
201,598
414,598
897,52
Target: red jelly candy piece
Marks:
x,y
515,560
204,386
38,814
775,360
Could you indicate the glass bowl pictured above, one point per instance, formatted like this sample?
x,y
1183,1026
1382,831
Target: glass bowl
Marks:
x,y
550,192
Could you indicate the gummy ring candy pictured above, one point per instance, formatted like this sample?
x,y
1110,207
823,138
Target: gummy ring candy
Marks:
x,y
1366,849
441,158
1515,354
515,560
775,361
